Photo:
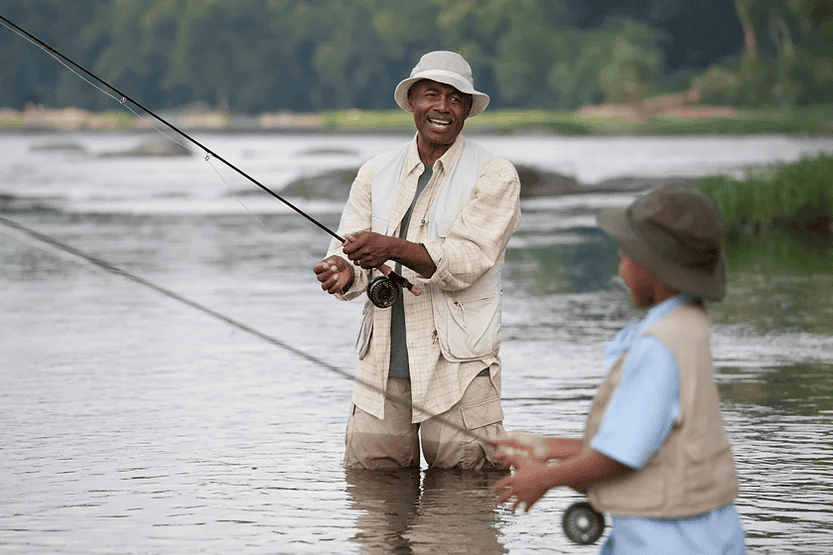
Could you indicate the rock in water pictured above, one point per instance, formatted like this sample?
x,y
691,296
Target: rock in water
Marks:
x,y
156,146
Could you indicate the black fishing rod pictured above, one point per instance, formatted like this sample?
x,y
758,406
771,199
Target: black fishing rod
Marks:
x,y
382,291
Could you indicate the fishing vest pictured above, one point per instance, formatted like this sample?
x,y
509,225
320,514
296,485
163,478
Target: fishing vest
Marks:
x,y
693,471
467,321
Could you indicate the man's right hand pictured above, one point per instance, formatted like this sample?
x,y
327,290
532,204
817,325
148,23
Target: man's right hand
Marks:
x,y
334,274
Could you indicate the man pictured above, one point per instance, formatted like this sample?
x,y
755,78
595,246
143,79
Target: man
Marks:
x,y
655,454
441,210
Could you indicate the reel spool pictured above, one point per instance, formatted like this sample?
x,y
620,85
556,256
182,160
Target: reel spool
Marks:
x,y
582,523
383,291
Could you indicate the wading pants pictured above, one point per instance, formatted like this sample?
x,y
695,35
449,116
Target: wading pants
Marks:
x,y
394,442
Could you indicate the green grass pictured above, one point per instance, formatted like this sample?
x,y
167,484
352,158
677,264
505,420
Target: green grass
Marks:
x,y
812,120
806,120
775,196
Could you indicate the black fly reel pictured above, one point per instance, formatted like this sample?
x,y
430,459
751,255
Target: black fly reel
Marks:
x,y
582,523
384,290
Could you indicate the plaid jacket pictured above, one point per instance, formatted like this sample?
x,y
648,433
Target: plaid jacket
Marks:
x,y
474,244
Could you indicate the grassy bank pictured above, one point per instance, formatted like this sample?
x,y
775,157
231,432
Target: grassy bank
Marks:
x,y
795,198
702,121
815,120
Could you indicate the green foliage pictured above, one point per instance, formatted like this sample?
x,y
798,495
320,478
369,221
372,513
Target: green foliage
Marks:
x,y
256,56
787,195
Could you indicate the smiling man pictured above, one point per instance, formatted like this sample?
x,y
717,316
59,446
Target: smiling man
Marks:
x,y
440,210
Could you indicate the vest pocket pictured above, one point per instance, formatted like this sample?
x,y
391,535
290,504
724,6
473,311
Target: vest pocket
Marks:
x,y
710,469
635,493
468,329
486,410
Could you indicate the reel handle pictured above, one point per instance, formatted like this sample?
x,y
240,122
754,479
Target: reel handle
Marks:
x,y
399,280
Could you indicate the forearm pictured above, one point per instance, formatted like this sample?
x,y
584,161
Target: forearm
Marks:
x,y
582,470
413,256
563,448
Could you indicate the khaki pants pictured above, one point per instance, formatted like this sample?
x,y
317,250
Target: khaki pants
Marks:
x,y
394,442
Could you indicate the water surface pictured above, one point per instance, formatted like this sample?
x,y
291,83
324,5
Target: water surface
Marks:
x,y
133,422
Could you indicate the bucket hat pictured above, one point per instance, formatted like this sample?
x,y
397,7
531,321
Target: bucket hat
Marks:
x,y
446,67
676,235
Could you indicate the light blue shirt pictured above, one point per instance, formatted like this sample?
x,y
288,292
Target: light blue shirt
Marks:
x,y
641,412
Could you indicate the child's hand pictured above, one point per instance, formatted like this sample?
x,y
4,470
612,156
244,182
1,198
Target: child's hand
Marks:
x,y
524,486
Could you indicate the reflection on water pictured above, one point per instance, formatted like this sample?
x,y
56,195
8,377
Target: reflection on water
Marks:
x,y
133,423
431,511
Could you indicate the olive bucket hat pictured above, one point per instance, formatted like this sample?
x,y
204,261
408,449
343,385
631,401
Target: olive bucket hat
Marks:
x,y
676,235
446,67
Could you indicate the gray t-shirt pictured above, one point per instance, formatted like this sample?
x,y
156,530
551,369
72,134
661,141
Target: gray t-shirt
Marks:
x,y
399,367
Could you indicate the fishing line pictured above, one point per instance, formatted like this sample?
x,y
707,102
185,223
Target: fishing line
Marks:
x,y
382,291
76,254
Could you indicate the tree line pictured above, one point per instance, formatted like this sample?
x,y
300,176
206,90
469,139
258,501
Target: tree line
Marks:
x,y
254,56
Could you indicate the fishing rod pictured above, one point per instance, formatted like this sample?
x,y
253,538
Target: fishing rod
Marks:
x,y
382,291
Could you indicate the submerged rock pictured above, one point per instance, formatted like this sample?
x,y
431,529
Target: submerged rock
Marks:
x,y
156,146
331,185
67,146
535,182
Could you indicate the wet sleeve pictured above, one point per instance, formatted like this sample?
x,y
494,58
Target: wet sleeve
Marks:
x,y
644,406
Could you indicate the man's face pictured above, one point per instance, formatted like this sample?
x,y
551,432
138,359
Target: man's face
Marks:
x,y
640,283
439,110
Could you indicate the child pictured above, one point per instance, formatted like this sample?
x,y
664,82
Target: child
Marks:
x,y
654,453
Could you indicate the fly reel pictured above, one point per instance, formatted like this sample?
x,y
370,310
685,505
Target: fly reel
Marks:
x,y
383,291
582,523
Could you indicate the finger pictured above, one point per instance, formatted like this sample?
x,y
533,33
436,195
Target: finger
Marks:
x,y
502,484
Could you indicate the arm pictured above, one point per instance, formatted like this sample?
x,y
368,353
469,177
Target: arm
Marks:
x,y
371,250
532,480
538,448
481,232
336,275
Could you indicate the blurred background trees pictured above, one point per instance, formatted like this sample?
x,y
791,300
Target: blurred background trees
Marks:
x,y
251,56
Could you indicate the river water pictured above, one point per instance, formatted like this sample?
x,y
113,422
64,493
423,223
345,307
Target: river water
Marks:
x,y
196,402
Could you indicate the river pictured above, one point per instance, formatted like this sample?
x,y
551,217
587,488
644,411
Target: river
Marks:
x,y
196,407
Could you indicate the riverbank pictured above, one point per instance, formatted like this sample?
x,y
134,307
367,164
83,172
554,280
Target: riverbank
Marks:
x,y
610,119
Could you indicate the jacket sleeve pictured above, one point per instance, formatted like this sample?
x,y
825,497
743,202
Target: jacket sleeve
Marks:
x,y
480,234
356,217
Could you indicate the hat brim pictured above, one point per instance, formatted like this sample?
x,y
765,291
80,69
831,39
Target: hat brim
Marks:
x,y
709,286
479,100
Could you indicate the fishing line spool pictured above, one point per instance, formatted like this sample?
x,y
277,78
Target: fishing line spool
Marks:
x,y
582,523
383,292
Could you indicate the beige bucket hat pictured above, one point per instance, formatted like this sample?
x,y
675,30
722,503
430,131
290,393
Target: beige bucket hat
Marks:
x,y
676,235
446,67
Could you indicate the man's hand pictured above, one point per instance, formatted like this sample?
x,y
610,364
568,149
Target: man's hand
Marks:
x,y
335,275
368,249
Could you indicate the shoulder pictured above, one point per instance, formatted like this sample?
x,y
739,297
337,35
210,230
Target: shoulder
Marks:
x,y
690,320
495,167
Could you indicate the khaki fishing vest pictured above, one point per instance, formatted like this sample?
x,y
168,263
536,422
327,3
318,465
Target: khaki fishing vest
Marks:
x,y
693,472
467,321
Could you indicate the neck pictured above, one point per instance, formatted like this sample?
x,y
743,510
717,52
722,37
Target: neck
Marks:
x,y
430,152
663,293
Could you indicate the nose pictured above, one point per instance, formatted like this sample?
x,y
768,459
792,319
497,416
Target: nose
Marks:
x,y
442,103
